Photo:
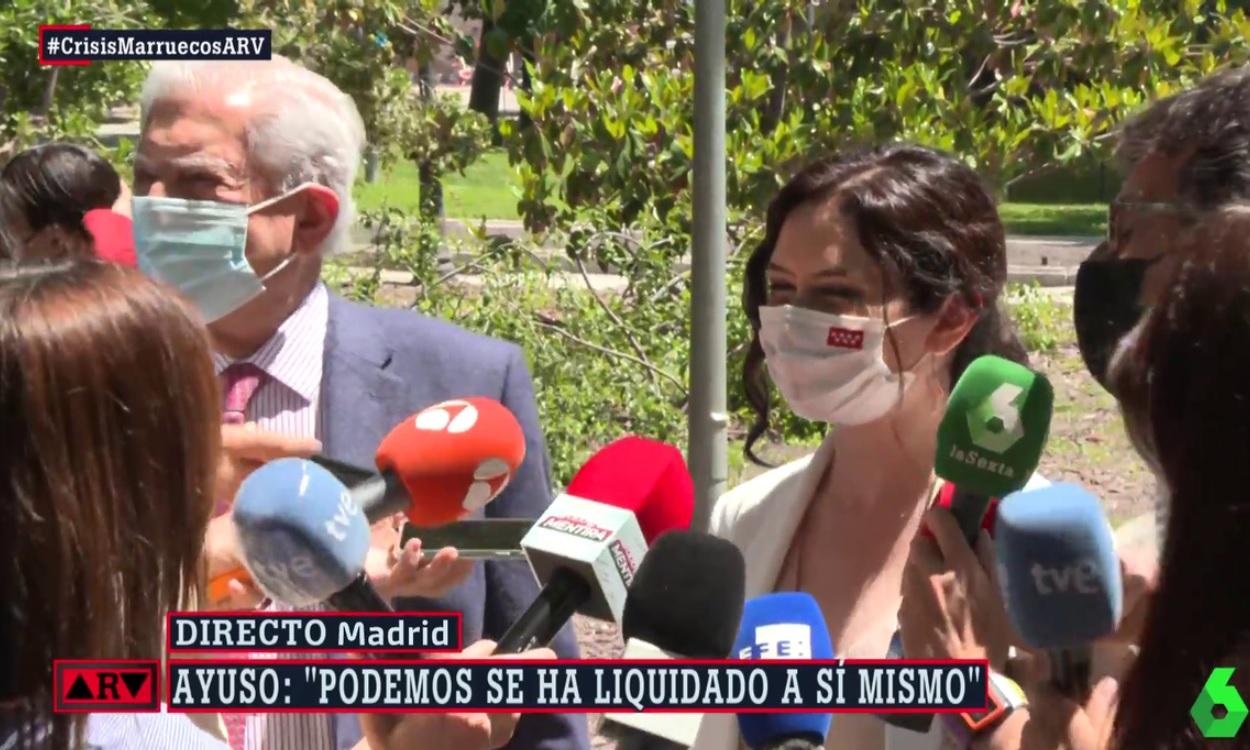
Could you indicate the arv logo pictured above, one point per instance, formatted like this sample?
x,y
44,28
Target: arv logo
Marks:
x,y
1081,577
784,640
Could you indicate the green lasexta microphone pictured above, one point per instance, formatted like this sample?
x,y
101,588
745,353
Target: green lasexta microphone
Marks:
x,y
991,438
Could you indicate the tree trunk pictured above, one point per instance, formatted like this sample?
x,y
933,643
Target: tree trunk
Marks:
x,y
487,81
523,120
49,93
429,179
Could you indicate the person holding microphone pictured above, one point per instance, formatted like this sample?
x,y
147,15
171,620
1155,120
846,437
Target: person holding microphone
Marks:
x,y
876,285
110,462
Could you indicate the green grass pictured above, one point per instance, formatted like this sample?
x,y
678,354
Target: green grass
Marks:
x,y
1082,219
485,190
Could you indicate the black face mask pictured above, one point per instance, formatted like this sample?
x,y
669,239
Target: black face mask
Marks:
x,y
1106,306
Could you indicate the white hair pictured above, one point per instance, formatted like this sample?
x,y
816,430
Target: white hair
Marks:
x,y
300,126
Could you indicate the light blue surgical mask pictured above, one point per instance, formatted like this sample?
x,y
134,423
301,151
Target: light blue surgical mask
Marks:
x,y
198,247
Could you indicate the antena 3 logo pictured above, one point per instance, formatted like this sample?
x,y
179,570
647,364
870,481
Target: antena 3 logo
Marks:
x,y
578,527
624,562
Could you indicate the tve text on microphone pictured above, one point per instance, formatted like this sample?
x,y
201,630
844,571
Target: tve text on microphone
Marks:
x,y
877,686
363,632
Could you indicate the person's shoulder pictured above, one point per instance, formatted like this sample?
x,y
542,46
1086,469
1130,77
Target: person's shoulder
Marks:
x,y
737,506
411,331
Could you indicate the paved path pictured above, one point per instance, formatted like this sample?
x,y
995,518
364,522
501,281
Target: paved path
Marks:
x,y
1048,261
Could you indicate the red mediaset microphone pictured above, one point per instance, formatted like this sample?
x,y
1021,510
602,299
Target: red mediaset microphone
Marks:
x,y
644,476
586,546
436,466
946,496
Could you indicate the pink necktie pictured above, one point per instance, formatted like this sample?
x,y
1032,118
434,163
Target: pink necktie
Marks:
x,y
239,382
236,725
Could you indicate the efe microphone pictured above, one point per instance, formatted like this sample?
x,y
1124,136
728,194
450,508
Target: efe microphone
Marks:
x,y
586,546
786,625
437,466
685,603
1060,576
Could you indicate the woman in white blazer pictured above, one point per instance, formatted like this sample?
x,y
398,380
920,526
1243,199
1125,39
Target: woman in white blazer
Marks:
x,y
876,284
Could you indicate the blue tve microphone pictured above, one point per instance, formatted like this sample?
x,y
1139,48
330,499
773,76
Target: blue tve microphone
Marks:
x,y
1060,576
304,538
785,625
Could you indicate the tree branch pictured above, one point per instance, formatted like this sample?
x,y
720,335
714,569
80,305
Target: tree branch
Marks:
x,y
629,336
553,325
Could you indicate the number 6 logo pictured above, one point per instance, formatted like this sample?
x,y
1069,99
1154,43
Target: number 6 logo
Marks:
x,y
995,423
1217,692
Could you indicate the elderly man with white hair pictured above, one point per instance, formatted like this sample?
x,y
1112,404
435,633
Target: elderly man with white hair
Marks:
x,y
243,183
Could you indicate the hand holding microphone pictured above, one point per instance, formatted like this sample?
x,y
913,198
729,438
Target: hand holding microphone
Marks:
x,y
437,466
399,569
951,607
245,448
451,730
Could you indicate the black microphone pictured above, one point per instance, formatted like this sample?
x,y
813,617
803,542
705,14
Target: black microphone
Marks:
x,y
358,596
685,603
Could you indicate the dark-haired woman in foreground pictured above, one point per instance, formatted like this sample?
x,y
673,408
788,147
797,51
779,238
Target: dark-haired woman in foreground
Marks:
x,y
1181,379
877,283
69,203
109,411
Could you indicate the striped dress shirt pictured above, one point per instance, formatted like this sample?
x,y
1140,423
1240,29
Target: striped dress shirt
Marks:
x,y
120,731
287,402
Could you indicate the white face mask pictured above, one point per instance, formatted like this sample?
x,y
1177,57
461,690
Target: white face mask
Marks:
x,y
830,368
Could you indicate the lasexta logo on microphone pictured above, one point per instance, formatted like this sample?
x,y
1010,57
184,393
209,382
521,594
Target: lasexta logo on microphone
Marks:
x,y
783,640
83,686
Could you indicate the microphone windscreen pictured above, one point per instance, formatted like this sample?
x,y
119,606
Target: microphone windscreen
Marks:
x,y
113,234
784,625
687,596
996,424
453,457
302,536
647,477
1058,566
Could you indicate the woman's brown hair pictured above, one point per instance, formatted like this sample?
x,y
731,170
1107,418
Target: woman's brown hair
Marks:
x,y
109,409
929,222
1183,380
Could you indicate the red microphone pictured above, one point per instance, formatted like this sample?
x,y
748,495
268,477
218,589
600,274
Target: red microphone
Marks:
x,y
947,494
447,461
436,466
586,546
113,234
644,476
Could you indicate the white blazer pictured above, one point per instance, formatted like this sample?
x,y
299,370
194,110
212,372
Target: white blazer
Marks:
x,y
760,517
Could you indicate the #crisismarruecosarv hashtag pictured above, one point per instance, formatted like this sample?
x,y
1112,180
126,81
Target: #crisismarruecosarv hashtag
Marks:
x,y
79,45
